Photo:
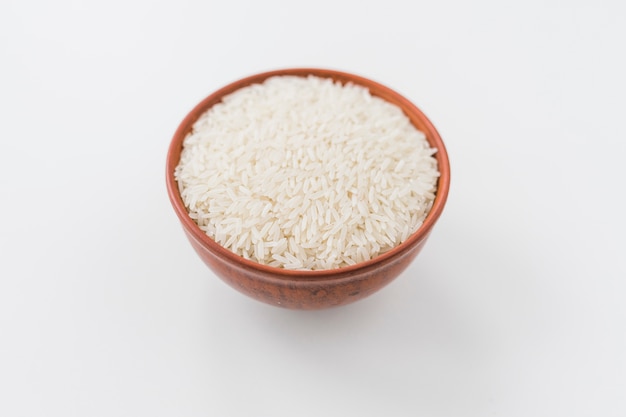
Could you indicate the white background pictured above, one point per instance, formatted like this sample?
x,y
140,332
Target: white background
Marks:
x,y
516,306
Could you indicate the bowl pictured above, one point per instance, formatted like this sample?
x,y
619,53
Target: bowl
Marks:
x,y
315,289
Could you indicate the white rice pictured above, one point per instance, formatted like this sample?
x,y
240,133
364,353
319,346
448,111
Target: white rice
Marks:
x,y
306,173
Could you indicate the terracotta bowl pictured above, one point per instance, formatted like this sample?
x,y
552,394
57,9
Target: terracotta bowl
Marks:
x,y
308,289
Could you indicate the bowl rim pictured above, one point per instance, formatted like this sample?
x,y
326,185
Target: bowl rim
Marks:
x,y
376,89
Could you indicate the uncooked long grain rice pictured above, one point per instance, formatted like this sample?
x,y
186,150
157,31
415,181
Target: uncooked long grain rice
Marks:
x,y
306,173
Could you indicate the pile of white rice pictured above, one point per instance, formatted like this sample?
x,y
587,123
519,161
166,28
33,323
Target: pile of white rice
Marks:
x,y
306,173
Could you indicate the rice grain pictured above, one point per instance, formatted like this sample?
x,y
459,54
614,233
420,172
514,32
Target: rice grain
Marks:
x,y
306,173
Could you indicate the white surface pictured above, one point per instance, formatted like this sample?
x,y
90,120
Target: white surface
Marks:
x,y
514,308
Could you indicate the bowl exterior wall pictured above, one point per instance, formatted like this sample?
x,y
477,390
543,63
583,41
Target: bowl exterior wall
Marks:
x,y
341,289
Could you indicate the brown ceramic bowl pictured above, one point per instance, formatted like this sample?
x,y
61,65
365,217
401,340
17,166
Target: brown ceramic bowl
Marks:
x,y
308,289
